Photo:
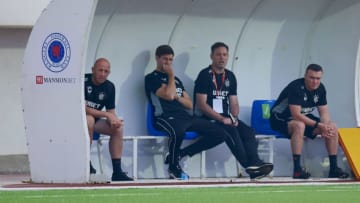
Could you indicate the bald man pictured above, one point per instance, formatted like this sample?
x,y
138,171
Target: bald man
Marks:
x,y
100,94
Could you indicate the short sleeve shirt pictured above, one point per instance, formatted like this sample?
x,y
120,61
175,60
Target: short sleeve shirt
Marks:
x,y
217,87
162,107
296,94
99,96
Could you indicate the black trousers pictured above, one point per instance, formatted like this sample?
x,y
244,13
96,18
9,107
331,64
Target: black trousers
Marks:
x,y
242,143
210,135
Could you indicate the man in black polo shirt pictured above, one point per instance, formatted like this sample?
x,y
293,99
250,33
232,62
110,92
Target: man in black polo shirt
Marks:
x,y
292,116
172,104
216,100
100,93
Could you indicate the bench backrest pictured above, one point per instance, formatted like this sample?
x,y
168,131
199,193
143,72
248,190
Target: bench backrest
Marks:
x,y
153,131
260,118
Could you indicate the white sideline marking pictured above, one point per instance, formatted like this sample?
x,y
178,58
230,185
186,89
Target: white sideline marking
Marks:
x,y
212,183
88,195
173,186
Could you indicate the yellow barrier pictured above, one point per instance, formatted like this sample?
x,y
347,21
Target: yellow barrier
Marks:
x,y
350,141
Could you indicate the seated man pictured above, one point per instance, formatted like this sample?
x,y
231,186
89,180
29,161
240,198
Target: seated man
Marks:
x,y
171,104
216,99
291,115
100,93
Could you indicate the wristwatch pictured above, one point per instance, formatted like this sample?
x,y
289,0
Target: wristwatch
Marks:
x,y
316,124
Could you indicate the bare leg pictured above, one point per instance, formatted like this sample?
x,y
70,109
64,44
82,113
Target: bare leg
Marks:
x,y
332,142
90,124
116,138
115,148
296,130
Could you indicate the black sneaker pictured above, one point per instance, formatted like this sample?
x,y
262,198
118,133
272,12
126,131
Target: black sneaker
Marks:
x,y
175,172
338,173
120,177
167,158
301,174
92,169
259,171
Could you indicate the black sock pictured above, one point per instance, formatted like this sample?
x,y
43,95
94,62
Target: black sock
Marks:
x,y
116,163
175,160
296,159
182,154
333,162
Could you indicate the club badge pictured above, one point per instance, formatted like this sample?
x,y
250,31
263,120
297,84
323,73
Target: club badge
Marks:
x,y
56,52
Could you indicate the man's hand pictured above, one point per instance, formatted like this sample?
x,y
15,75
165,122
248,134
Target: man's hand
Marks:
x,y
236,123
227,121
327,130
168,70
114,121
234,120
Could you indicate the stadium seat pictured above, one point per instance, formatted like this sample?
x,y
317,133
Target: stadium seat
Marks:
x,y
152,131
260,115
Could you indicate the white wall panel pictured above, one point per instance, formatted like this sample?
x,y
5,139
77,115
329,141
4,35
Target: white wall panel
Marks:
x,y
20,13
334,46
205,23
357,86
52,93
129,41
12,133
270,51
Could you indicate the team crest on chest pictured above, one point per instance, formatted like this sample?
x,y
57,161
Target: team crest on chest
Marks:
x,y
101,96
316,98
227,83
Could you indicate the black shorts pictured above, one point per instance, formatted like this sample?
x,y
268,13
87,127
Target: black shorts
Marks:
x,y
281,125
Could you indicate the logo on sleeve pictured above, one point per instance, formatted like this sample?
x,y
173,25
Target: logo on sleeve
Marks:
x,y
89,89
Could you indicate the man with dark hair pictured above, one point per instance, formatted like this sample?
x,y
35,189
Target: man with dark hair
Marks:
x,y
100,93
216,99
292,116
171,104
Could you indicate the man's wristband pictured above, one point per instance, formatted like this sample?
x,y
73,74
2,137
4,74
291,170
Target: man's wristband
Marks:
x,y
233,119
316,124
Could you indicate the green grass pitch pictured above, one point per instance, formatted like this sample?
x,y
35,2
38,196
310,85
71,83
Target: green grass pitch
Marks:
x,y
343,193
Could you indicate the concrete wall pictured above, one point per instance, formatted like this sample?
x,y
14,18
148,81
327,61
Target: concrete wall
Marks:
x,y
16,19
12,46
20,13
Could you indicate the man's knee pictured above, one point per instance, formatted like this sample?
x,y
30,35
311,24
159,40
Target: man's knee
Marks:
x,y
334,126
90,123
90,120
296,127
